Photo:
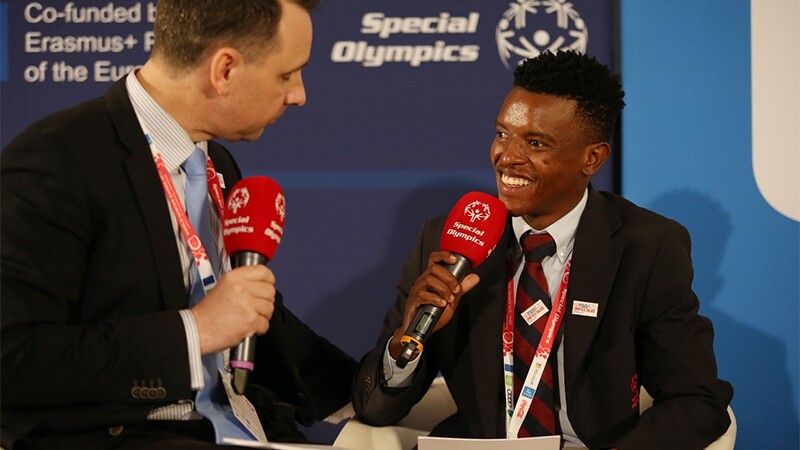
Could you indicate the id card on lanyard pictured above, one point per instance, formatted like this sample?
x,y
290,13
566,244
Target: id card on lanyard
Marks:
x,y
516,412
187,229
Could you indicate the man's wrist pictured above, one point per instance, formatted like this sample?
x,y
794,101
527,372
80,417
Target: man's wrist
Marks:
x,y
394,376
395,345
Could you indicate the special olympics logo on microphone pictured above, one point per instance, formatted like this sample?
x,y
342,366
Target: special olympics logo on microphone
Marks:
x,y
239,198
478,210
530,27
280,206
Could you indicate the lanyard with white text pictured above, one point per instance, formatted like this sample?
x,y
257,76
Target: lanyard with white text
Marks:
x,y
515,416
185,225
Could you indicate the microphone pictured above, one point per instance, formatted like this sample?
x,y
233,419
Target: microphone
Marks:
x,y
252,229
472,230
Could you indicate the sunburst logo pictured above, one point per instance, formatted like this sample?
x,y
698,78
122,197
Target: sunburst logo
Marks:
x,y
477,211
530,27
280,206
239,198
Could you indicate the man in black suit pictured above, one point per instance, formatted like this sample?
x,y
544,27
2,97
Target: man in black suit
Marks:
x,y
100,347
630,317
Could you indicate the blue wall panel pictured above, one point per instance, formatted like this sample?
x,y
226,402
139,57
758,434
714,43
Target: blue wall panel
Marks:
x,y
688,155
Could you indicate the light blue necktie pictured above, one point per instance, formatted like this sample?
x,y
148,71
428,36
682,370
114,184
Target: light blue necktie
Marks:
x,y
211,401
197,208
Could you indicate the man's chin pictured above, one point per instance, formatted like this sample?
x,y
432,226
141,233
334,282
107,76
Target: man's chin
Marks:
x,y
514,206
252,136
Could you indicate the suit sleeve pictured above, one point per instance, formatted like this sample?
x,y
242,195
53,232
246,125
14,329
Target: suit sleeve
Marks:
x,y
299,371
676,358
55,349
374,402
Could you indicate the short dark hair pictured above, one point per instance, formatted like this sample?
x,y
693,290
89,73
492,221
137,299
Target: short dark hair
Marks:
x,y
573,75
186,30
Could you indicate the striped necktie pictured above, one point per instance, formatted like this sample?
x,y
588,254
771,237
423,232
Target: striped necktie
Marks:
x,y
532,287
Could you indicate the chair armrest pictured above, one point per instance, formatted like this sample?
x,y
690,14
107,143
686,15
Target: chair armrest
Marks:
x,y
436,405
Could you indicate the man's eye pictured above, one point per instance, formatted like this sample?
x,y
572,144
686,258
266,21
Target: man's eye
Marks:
x,y
501,134
535,143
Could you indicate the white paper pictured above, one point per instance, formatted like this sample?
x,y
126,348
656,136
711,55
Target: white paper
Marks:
x,y
278,445
531,443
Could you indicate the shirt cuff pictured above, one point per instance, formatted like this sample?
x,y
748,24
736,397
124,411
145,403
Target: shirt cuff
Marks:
x,y
193,344
394,375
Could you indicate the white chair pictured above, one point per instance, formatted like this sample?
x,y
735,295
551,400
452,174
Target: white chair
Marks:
x,y
724,442
438,404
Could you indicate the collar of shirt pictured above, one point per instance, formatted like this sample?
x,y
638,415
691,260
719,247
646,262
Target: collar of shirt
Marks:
x,y
563,230
167,135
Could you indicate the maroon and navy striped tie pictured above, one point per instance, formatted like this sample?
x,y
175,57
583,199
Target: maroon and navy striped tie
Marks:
x,y
541,420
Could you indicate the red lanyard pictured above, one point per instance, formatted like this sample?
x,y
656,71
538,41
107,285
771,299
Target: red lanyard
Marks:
x,y
515,412
185,225
187,230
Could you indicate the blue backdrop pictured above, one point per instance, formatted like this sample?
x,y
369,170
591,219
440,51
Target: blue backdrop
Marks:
x,y
688,154
402,99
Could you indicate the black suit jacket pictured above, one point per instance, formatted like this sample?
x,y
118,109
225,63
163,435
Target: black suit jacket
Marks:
x,y
92,285
636,266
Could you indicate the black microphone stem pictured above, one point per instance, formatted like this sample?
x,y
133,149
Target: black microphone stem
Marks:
x,y
427,315
460,268
243,355
240,259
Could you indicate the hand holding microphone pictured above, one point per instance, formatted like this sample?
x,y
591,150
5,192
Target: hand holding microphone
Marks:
x,y
252,229
472,230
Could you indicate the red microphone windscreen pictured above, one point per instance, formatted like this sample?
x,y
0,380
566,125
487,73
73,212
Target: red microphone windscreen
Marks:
x,y
254,217
474,226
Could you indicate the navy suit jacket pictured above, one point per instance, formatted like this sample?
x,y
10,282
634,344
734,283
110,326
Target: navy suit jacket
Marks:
x,y
92,284
636,266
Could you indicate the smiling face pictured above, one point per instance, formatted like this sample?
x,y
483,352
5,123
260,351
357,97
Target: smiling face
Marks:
x,y
542,159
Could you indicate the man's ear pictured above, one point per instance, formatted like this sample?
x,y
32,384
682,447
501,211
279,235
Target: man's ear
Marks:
x,y
224,62
595,155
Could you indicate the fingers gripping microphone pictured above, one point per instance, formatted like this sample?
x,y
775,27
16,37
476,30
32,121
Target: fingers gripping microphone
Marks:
x,y
252,230
472,230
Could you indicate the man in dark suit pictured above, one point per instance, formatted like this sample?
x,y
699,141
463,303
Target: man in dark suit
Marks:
x,y
630,317
100,347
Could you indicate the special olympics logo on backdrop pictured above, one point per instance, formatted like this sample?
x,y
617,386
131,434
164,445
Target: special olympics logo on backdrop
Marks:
x,y
530,27
477,211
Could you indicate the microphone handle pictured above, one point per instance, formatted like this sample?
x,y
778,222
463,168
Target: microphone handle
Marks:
x,y
243,355
427,316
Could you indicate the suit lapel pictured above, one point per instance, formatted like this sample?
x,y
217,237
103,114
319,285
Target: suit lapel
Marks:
x,y
595,260
152,205
225,165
